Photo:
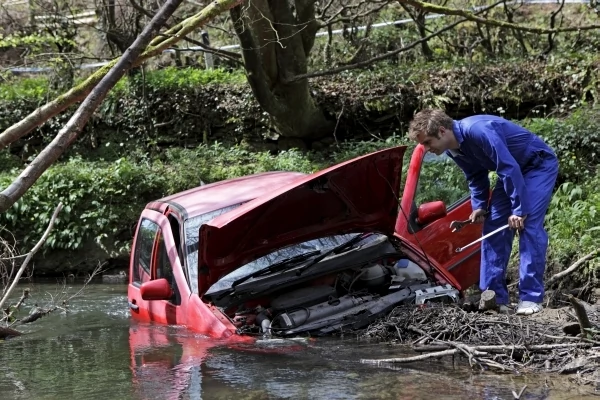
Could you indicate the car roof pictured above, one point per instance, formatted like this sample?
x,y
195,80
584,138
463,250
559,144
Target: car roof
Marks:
x,y
214,196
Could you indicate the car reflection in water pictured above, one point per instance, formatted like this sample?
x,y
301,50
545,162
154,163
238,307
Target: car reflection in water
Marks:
x,y
171,363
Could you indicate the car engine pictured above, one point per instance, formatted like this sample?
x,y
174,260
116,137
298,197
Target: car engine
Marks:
x,y
354,299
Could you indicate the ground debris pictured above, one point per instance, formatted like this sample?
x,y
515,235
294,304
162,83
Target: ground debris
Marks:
x,y
493,341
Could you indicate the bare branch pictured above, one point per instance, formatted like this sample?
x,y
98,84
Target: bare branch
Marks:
x,y
471,16
235,57
552,24
373,60
30,255
577,264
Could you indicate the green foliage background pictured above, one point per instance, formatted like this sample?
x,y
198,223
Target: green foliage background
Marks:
x,y
165,131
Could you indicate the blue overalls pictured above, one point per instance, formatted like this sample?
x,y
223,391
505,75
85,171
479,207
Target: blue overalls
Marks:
x,y
527,170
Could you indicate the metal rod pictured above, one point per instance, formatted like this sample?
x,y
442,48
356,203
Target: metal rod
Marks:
x,y
459,249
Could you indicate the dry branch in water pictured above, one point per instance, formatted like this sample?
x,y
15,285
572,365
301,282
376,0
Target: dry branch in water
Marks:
x,y
492,341
30,255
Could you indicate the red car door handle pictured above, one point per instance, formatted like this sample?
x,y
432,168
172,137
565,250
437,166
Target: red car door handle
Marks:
x,y
132,305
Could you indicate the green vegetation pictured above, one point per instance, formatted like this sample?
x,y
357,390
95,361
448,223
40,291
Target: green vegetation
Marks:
x,y
103,199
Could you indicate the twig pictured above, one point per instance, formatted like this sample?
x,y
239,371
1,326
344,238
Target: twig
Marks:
x,y
410,359
31,254
518,396
24,297
582,317
572,268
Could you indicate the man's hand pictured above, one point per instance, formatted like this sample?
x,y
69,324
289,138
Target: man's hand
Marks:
x,y
516,222
477,216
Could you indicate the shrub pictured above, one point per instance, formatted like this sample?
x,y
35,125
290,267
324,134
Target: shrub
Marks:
x,y
573,222
576,141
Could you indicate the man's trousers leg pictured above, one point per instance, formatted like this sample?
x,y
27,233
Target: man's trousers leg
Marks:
x,y
533,240
495,250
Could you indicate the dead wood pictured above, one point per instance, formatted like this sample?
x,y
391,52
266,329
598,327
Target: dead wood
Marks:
x,y
487,300
6,333
30,255
574,267
489,340
582,317
39,313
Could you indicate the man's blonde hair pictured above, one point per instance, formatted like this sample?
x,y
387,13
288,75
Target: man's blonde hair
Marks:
x,y
428,121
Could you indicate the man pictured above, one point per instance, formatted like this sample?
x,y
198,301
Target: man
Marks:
x,y
526,169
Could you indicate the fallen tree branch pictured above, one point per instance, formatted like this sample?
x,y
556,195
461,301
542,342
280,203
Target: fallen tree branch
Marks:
x,y
12,310
30,255
8,332
36,315
79,119
490,348
422,357
79,92
433,8
576,265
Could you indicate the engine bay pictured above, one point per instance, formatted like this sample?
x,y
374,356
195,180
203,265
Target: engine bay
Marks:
x,y
346,293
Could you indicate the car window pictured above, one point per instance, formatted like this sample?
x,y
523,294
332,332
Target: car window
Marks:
x,y
323,244
440,179
143,250
164,269
192,231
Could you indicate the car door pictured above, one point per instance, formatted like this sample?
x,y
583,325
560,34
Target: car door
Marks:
x,y
154,256
437,178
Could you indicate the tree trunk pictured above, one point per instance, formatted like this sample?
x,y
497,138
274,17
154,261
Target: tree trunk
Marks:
x,y
276,41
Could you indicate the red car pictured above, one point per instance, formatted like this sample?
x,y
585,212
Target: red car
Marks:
x,y
285,254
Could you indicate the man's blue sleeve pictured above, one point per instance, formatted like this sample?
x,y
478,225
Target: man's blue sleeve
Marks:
x,y
487,137
479,183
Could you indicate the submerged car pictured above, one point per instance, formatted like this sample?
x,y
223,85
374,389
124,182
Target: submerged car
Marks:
x,y
286,254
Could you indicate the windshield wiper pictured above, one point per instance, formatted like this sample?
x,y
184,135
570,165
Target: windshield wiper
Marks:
x,y
278,266
335,250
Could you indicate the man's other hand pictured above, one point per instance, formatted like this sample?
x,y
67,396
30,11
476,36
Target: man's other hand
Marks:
x,y
516,222
477,216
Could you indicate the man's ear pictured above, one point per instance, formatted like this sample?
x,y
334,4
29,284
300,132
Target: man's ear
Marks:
x,y
441,132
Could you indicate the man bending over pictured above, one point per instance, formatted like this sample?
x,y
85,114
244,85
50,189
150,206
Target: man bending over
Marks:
x,y
526,168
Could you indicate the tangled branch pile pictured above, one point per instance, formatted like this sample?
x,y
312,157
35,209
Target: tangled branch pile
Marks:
x,y
495,341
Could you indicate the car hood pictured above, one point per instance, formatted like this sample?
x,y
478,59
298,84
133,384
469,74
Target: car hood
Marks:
x,y
359,195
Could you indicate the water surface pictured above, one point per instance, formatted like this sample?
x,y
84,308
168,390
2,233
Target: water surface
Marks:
x,y
95,351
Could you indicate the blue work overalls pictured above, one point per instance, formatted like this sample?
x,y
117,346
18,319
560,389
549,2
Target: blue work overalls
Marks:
x,y
527,170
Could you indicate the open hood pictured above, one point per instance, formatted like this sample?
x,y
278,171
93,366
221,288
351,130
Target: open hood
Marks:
x,y
359,195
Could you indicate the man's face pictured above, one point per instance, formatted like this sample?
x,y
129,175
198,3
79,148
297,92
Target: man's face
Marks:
x,y
435,145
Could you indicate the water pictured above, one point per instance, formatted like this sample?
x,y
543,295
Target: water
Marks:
x,y
96,351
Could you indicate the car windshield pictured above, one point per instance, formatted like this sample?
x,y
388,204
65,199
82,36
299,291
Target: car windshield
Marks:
x,y
322,244
192,232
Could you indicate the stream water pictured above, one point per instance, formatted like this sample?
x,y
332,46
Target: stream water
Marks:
x,y
95,351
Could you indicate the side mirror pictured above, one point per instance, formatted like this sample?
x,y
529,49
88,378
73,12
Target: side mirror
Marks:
x,y
429,212
158,289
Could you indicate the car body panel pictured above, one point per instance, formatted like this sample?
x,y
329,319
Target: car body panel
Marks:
x,y
357,195
435,244
206,198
